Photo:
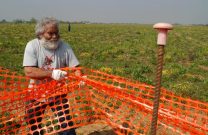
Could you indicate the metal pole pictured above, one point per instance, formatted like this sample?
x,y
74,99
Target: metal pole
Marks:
x,y
161,42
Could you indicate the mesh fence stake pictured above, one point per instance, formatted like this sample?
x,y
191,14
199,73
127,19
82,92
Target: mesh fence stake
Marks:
x,y
161,42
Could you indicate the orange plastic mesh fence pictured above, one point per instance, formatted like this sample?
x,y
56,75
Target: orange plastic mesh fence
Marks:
x,y
125,105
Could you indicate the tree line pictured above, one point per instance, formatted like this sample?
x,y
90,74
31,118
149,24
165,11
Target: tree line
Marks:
x,y
33,20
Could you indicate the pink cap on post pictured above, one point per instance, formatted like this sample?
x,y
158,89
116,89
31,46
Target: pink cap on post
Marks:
x,y
163,30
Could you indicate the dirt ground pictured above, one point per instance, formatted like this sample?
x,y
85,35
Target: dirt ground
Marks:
x,y
99,128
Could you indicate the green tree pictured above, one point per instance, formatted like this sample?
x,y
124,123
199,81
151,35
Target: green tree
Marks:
x,y
33,20
3,21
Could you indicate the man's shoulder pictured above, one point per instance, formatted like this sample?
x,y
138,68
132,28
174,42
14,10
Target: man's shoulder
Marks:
x,y
33,42
64,45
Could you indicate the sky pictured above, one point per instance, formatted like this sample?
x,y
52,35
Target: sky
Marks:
x,y
108,11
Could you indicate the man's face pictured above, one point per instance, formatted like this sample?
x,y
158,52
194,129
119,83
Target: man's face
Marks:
x,y
50,37
51,33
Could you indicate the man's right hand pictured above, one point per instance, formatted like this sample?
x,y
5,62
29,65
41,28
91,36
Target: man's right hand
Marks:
x,y
58,74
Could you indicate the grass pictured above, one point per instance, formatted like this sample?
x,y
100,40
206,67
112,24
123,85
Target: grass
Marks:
x,y
127,50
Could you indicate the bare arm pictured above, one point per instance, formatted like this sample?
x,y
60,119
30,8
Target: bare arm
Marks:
x,y
37,73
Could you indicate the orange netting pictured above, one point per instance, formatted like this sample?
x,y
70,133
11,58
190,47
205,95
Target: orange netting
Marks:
x,y
123,104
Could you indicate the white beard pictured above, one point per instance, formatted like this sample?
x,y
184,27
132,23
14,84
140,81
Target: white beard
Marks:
x,y
51,45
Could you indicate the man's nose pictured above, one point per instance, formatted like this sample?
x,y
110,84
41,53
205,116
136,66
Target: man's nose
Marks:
x,y
55,36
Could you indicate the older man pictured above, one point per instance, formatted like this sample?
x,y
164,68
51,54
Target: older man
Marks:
x,y
43,57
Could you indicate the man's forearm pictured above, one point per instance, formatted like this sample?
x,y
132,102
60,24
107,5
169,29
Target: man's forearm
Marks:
x,y
37,73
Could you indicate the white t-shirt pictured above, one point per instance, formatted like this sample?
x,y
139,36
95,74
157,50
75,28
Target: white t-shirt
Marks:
x,y
38,56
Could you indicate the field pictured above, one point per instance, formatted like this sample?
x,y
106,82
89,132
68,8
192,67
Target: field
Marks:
x,y
127,50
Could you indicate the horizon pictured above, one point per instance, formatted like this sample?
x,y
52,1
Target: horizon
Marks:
x,y
88,22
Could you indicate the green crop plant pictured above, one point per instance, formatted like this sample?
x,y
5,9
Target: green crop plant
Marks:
x,y
127,50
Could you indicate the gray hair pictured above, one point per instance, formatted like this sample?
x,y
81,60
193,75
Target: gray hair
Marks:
x,y
40,26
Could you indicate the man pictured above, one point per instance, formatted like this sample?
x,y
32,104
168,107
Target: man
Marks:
x,y
43,57
69,26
